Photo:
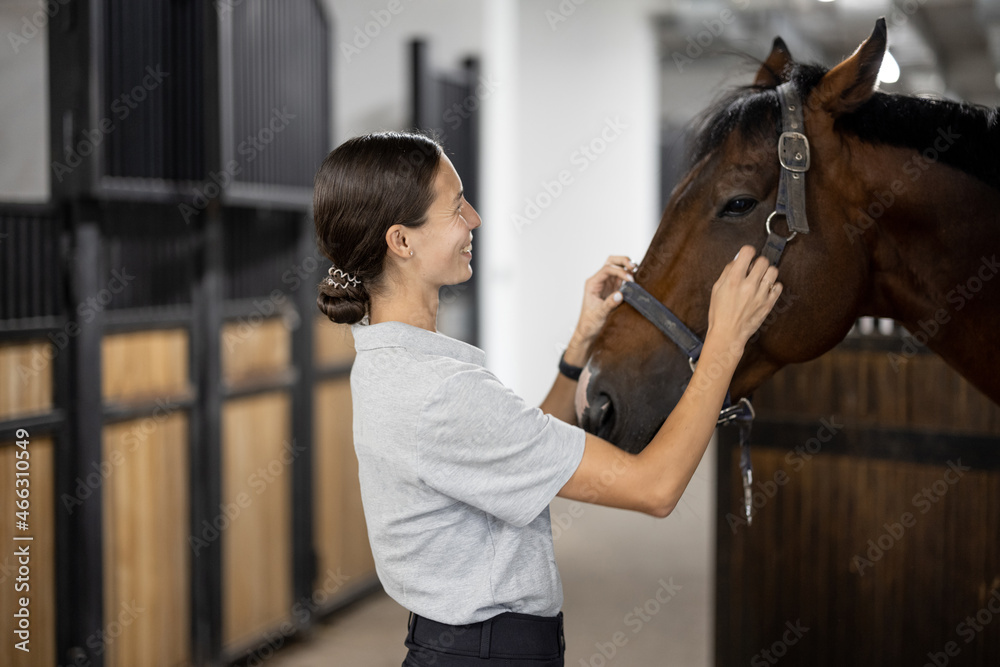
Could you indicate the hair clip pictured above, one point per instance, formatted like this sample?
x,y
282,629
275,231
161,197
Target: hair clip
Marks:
x,y
335,273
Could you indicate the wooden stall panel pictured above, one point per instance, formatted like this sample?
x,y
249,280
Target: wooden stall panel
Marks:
x,y
254,349
257,453
882,561
341,535
144,365
40,578
146,550
334,344
25,378
872,388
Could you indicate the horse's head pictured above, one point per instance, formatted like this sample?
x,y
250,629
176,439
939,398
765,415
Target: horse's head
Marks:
x,y
635,375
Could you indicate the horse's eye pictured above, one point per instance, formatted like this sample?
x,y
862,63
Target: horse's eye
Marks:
x,y
738,206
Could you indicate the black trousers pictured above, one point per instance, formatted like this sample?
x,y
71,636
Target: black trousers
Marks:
x,y
510,640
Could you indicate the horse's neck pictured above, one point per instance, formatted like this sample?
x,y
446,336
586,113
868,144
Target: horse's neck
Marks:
x,y
934,256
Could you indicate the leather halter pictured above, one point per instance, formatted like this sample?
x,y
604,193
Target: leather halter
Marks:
x,y
793,155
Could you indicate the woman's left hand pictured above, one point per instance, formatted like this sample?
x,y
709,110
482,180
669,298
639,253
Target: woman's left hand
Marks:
x,y
600,297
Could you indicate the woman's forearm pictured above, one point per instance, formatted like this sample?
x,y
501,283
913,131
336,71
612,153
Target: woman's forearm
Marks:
x,y
674,452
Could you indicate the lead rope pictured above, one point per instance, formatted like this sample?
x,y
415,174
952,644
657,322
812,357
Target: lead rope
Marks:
x,y
746,467
742,414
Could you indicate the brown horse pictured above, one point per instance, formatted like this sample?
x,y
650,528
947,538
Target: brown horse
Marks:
x,y
903,203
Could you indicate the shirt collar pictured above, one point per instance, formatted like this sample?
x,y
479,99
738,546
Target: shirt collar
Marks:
x,y
400,334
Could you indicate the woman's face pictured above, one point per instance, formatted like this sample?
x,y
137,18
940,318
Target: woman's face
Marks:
x,y
442,247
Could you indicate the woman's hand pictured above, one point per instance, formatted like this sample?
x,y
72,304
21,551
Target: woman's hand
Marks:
x,y
741,298
600,297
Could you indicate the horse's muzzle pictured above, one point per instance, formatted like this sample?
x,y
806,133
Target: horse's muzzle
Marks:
x,y
594,413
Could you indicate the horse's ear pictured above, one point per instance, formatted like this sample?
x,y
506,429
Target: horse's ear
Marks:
x,y
851,83
774,71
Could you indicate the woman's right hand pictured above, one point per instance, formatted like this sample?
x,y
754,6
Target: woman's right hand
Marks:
x,y
741,298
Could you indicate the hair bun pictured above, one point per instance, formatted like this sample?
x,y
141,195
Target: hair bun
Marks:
x,y
343,305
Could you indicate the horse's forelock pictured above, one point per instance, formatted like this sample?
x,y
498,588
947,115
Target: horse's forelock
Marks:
x,y
752,110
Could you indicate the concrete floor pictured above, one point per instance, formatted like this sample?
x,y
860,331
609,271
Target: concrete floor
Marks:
x,y
617,569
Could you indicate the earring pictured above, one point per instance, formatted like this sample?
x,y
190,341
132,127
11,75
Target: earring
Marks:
x,y
411,253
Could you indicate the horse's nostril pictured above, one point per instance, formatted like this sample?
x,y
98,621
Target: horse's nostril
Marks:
x,y
600,416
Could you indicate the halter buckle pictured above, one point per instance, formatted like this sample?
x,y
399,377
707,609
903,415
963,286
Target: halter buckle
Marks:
x,y
793,151
742,409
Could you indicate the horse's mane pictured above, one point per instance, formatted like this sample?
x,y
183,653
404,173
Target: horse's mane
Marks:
x,y
897,120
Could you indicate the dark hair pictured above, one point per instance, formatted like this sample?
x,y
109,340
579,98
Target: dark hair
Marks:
x,y
364,186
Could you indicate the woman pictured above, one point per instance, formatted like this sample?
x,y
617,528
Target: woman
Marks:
x,y
456,471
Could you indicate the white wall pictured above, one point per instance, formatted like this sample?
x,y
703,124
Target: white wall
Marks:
x,y
587,109
558,85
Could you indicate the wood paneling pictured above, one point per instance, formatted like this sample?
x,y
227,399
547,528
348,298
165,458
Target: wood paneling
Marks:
x,y
871,388
145,364
41,577
882,560
25,378
341,536
257,453
334,344
146,547
253,349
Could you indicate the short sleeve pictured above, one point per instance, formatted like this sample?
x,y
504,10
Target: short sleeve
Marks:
x,y
480,443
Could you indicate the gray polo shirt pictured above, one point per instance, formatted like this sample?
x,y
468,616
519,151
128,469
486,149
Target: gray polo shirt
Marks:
x,y
457,473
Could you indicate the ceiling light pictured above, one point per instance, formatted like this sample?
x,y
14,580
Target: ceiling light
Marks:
x,y
889,72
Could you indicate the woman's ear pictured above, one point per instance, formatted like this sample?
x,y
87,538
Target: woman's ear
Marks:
x,y
397,241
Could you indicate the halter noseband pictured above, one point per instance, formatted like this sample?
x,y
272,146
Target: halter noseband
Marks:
x,y
793,155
